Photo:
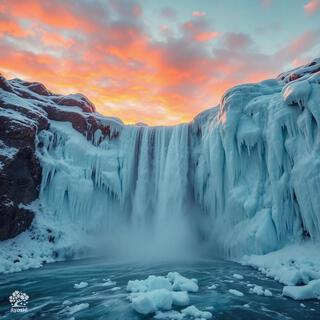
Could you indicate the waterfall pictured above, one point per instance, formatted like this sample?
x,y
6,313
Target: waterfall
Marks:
x,y
243,177
134,189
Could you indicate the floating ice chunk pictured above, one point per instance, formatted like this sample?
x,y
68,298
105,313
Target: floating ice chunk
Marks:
x,y
260,291
169,315
209,308
67,302
77,308
236,292
238,276
309,291
257,290
151,283
212,287
180,298
180,283
267,293
80,285
108,283
297,92
149,302
246,305
302,305
115,288
192,311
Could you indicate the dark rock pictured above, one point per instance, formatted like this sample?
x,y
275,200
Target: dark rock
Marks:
x,y
75,100
13,221
29,111
21,177
39,88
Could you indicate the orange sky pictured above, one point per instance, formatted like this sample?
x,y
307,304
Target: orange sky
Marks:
x,y
162,69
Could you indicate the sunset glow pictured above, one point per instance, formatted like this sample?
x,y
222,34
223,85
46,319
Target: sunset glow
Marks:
x,y
157,62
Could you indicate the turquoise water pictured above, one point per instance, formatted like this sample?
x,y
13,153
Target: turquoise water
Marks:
x,y
50,286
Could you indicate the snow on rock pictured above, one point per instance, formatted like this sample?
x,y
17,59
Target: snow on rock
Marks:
x,y
297,93
308,291
236,292
80,285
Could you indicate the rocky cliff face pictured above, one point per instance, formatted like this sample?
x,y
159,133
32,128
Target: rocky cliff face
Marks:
x,y
26,108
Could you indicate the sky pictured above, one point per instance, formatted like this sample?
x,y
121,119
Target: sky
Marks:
x,y
157,62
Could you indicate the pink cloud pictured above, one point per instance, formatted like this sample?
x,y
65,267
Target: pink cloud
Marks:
x,y
199,13
312,6
206,36
110,55
266,3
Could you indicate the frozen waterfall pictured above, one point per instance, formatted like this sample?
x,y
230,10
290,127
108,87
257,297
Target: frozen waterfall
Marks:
x,y
243,177
131,190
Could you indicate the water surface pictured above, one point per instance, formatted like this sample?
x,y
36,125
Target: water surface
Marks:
x,y
51,286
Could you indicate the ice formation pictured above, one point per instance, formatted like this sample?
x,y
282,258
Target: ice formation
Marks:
x,y
159,295
80,285
309,291
236,292
260,291
241,178
244,176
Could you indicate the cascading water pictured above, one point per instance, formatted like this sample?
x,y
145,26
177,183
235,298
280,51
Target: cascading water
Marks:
x,y
135,192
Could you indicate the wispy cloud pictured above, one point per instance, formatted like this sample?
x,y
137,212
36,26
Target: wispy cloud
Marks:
x,y
312,6
108,52
199,13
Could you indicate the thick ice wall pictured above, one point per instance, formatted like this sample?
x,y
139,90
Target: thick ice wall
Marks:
x,y
80,180
260,160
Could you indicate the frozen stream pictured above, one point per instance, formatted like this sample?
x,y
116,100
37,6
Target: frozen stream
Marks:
x,y
51,286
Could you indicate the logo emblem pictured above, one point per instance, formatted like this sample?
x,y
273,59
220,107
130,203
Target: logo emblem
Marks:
x,y
19,301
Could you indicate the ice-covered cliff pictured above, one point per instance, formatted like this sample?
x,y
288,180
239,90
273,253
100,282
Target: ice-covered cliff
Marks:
x,y
242,178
